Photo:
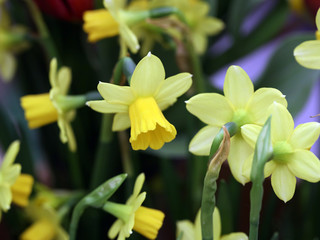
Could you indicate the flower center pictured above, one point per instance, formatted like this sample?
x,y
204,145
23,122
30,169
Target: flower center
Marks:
x,y
21,190
148,125
241,117
148,221
282,151
121,211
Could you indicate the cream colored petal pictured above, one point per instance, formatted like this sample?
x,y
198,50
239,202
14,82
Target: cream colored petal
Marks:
x,y
72,144
305,135
53,73
187,229
201,143
235,236
250,133
283,182
307,54
261,100
147,76
6,198
211,25
11,154
64,79
247,166
281,122
239,152
200,42
269,168
238,87
211,108
172,88
10,174
104,107
318,19
115,229
8,66
115,93
138,184
305,165
129,38
121,121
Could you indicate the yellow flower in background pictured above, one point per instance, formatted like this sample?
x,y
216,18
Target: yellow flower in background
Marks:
x,y
132,215
192,231
115,20
140,105
14,186
46,222
240,104
291,151
46,108
307,53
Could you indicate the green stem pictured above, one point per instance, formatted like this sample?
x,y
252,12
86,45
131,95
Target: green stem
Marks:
x,y
256,195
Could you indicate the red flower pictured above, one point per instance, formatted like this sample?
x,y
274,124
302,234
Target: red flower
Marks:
x,y
69,10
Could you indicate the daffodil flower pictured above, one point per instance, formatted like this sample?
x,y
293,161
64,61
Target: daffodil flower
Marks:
x,y
307,53
14,186
291,151
140,105
115,20
240,105
132,215
42,109
192,231
46,222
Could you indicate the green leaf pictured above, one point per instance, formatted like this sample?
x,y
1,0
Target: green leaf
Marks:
x,y
285,74
95,199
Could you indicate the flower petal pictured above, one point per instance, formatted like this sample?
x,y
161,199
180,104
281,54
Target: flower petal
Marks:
x,y
10,174
11,154
64,80
6,198
200,42
147,76
283,182
305,135
308,54
269,168
115,229
205,106
121,121
305,165
239,152
281,122
8,65
129,38
104,107
172,88
318,19
250,133
247,165
211,25
261,100
201,143
115,94
237,87
235,236
187,229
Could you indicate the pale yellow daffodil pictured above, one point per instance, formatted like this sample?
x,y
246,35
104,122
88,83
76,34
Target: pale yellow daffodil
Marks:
x,y
291,151
140,105
46,108
307,53
192,231
133,216
14,186
240,105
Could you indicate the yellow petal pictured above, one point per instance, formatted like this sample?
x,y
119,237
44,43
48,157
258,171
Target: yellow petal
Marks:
x,y
308,54
187,229
283,182
11,154
305,135
129,38
8,65
235,236
199,41
64,80
21,190
261,100
104,107
53,73
116,94
5,199
121,121
115,229
250,133
72,144
172,88
269,168
205,106
211,25
10,174
148,125
40,230
305,165
239,152
281,123
138,185
238,87
318,20
147,76
247,166
201,143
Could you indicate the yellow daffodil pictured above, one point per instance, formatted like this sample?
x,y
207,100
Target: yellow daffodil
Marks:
x,y
140,104
192,231
240,105
132,215
46,223
307,53
42,109
291,151
14,186
112,21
